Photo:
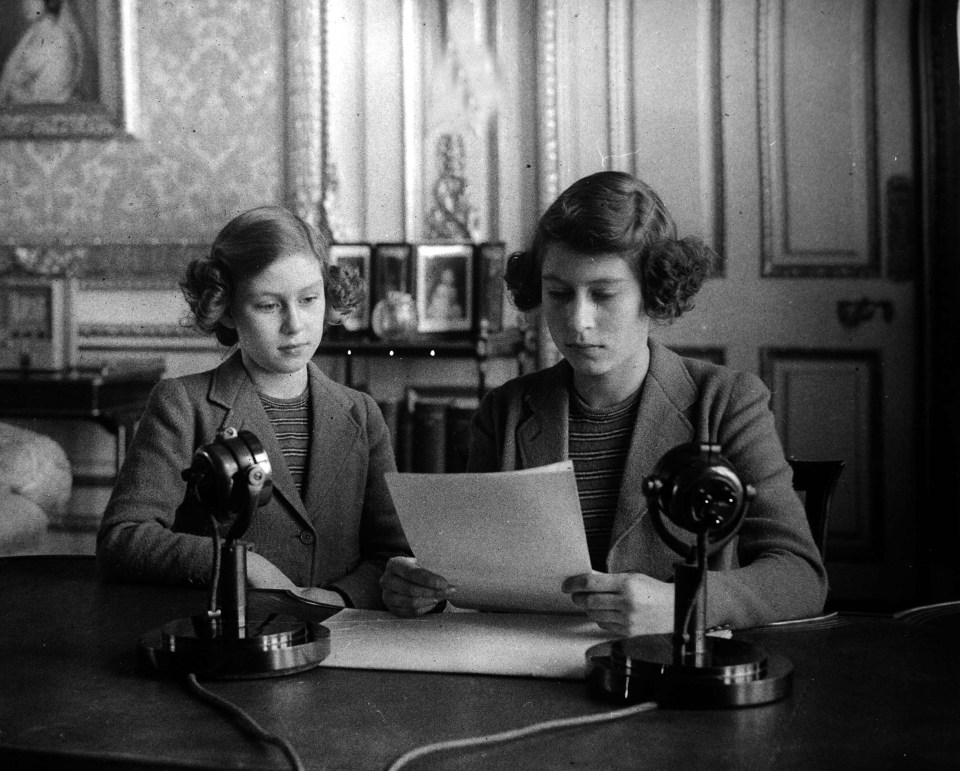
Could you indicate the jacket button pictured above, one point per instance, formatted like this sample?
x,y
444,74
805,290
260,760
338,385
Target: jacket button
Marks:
x,y
307,537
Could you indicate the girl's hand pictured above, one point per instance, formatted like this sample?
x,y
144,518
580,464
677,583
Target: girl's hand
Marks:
x,y
626,603
410,590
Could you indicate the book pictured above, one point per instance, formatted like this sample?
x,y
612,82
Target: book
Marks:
x,y
437,430
429,436
390,409
490,262
460,412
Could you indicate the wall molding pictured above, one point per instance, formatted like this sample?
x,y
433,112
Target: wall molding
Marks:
x,y
306,108
104,266
779,256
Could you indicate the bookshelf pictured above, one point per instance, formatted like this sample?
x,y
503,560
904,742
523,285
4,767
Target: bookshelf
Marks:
x,y
429,422
512,343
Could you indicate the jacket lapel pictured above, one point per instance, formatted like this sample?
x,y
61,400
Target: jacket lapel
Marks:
x,y
662,424
232,388
333,435
542,435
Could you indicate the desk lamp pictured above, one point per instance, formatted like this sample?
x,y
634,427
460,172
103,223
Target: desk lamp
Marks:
x,y
697,490
231,478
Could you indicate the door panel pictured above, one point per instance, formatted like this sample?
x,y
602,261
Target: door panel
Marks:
x,y
816,293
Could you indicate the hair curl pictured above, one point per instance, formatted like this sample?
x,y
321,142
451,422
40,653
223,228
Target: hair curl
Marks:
x,y
612,212
247,245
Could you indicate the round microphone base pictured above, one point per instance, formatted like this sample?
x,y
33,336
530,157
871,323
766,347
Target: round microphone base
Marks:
x,y
208,648
732,673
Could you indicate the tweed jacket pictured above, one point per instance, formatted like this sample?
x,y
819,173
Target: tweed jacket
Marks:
x,y
771,571
338,534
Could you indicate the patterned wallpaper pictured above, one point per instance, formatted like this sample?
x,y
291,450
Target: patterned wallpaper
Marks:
x,y
210,141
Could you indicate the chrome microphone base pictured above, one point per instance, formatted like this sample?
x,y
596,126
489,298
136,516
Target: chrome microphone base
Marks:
x,y
206,647
732,673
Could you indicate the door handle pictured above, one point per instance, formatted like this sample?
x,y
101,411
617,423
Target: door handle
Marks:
x,y
852,313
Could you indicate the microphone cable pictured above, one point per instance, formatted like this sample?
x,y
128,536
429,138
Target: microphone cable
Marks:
x,y
246,722
518,733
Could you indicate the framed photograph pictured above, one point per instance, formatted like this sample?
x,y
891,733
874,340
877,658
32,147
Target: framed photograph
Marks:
x,y
391,270
443,287
491,262
37,325
357,258
67,69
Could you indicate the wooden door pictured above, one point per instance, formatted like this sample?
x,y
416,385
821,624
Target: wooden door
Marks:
x,y
815,179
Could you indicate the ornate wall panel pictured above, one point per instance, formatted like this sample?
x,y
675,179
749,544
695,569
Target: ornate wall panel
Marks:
x,y
817,135
676,119
827,406
306,135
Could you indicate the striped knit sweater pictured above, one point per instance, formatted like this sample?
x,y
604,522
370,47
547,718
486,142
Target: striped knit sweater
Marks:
x,y
599,442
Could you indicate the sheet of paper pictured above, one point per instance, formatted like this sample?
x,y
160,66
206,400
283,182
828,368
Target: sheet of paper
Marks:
x,y
506,539
521,644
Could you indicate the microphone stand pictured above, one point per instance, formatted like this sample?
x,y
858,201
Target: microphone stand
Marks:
x,y
697,490
231,478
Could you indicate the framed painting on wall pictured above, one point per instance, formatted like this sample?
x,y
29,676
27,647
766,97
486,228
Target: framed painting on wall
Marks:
x,y
67,69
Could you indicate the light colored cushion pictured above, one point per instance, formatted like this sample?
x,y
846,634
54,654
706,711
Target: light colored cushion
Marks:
x,y
35,467
22,523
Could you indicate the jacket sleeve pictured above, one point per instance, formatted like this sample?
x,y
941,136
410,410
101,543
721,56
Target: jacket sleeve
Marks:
x,y
136,540
778,572
381,535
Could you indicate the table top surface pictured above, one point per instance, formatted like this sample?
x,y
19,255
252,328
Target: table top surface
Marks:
x,y
869,692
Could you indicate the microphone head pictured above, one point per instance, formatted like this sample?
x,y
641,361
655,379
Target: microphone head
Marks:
x,y
698,490
231,476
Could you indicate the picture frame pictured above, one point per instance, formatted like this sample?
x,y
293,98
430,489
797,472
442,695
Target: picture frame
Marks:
x,y
444,287
491,262
37,323
68,74
391,269
356,257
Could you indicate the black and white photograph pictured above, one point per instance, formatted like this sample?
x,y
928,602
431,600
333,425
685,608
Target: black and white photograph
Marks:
x,y
356,258
444,287
634,451
392,265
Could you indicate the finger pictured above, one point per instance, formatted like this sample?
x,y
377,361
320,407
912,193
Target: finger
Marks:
x,y
407,607
609,624
589,582
404,588
599,601
408,569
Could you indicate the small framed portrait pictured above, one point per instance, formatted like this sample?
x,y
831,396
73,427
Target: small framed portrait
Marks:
x,y
443,287
391,269
357,259
67,68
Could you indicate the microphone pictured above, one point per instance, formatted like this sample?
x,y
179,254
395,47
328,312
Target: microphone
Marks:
x,y
693,490
231,477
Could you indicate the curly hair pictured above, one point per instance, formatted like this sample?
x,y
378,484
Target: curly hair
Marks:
x,y
612,212
248,244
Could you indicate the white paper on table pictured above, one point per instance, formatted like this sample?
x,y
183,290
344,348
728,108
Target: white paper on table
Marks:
x,y
519,644
505,539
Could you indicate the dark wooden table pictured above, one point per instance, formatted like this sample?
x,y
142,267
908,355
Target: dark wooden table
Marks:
x,y
870,692
113,397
